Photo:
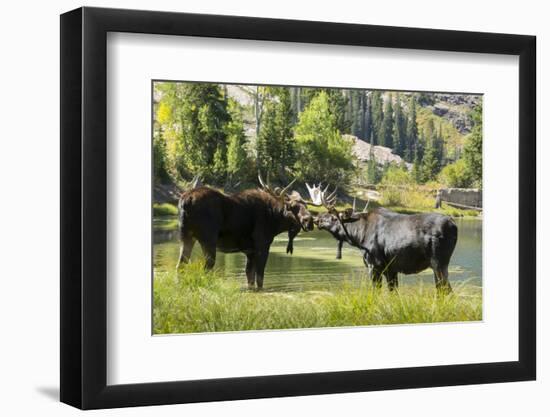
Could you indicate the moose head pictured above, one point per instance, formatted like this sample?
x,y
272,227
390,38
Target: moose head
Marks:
x,y
294,206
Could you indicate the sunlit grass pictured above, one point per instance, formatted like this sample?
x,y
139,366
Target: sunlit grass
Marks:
x,y
195,300
164,209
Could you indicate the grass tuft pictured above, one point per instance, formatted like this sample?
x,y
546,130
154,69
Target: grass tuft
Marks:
x,y
195,300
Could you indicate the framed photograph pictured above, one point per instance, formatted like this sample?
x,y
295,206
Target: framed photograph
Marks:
x,y
256,208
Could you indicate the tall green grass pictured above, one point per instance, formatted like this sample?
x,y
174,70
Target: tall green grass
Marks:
x,y
195,300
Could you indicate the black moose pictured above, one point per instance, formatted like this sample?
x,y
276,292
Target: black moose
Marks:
x,y
246,222
394,243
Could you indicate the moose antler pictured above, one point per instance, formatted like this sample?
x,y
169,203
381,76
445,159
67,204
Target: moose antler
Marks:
x,y
277,191
364,209
196,181
319,196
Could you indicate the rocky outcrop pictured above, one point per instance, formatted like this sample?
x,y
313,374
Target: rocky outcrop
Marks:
x,y
456,109
382,155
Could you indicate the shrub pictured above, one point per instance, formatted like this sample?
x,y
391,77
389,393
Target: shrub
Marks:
x,y
456,175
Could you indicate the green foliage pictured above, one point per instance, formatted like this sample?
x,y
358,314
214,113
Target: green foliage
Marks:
x,y
275,145
377,117
194,116
322,153
339,105
430,164
473,150
456,175
386,129
396,175
396,179
399,138
195,300
237,159
412,132
160,169
453,140
296,131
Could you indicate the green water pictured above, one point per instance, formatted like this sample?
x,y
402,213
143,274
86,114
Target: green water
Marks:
x,y
314,266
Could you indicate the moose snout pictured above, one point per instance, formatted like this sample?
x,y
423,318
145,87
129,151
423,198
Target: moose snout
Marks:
x,y
307,223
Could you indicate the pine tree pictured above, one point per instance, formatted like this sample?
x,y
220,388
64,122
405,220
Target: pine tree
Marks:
x,y
412,131
399,128
194,116
417,171
386,129
368,118
275,143
473,151
377,116
237,158
440,145
430,164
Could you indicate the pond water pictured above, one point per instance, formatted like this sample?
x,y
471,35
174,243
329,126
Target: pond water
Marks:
x,y
314,266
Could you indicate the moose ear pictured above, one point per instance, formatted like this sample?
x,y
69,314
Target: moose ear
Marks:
x,y
348,216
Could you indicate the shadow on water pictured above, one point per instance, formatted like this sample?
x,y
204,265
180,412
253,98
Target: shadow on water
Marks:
x,y
313,266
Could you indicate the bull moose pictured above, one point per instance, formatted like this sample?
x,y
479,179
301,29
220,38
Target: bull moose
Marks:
x,y
246,222
395,243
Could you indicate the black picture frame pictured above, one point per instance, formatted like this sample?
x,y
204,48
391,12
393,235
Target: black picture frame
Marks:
x,y
84,207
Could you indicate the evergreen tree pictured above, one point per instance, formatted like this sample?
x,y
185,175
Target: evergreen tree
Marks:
x,y
430,164
440,145
399,128
377,115
473,150
275,143
368,118
386,129
160,169
195,115
432,161
237,158
412,131
337,105
417,171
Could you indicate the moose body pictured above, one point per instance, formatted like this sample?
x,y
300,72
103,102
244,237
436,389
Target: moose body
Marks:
x,y
244,222
395,243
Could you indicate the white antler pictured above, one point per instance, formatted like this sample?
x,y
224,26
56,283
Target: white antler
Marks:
x,y
319,196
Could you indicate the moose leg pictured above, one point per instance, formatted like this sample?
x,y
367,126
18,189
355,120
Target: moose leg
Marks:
x,y
391,278
339,249
209,251
376,276
186,248
261,260
441,277
250,270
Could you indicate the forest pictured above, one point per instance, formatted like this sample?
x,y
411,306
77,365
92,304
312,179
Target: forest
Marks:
x,y
229,133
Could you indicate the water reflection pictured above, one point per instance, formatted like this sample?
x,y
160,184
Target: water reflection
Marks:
x,y
313,265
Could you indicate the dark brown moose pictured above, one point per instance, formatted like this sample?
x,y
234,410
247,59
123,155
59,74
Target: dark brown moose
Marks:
x,y
394,243
246,222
